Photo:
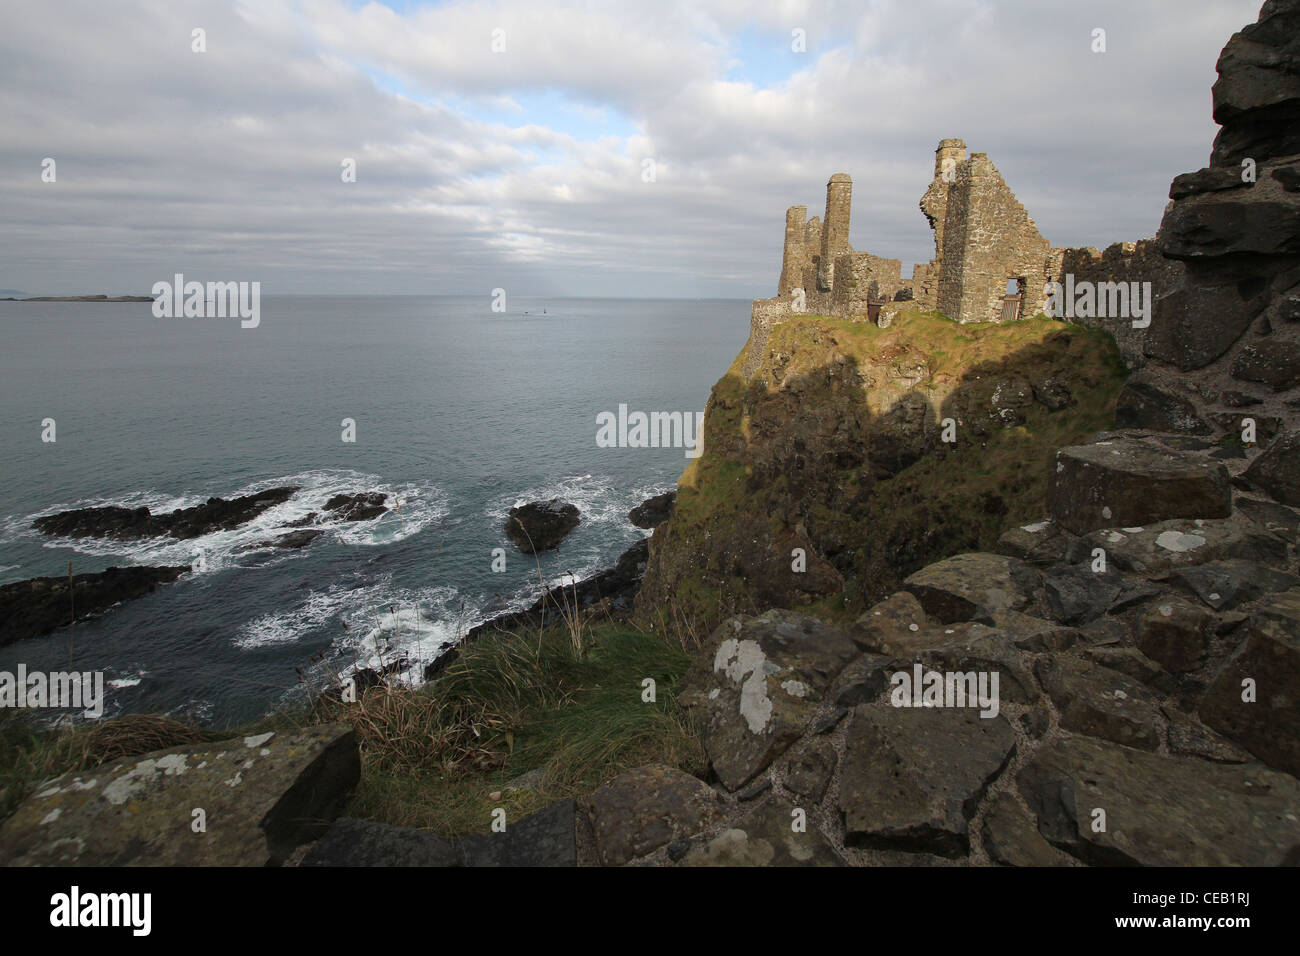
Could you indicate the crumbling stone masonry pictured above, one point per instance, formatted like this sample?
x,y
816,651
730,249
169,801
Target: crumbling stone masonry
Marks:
x,y
991,263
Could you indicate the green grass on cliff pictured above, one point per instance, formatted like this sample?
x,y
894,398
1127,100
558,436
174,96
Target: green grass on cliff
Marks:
x,y
876,530
434,757
516,703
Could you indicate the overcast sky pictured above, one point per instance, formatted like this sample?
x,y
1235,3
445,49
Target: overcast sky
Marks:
x,y
525,168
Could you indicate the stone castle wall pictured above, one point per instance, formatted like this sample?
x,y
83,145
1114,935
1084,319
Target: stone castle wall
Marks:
x,y
985,241
988,239
1126,262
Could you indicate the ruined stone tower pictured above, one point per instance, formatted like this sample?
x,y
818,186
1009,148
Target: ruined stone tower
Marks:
x,y
991,264
935,201
835,228
794,257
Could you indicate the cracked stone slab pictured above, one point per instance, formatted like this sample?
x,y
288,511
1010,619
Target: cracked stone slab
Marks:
x,y
260,797
545,838
1175,633
1183,543
1126,483
766,837
975,647
353,842
886,627
1011,836
1160,810
1224,585
1100,702
1269,657
643,809
954,589
759,685
913,776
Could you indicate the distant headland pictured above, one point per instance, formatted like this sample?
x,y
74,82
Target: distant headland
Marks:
x,y
79,298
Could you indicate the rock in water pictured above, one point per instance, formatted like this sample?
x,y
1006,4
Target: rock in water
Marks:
x,y
541,525
216,514
261,796
653,511
38,606
359,507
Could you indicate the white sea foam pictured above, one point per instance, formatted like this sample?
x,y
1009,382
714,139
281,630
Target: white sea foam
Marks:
x,y
603,505
420,506
385,624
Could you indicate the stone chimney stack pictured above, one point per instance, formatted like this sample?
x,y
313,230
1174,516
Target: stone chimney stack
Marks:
x,y
953,149
792,259
835,228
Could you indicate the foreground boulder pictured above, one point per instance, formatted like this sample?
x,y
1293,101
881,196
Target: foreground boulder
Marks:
x,y
1168,546
913,777
1160,811
758,685
954,589
38,606
1126,483
1277,470
765,837
1255,698
541,525
643,809
546,838
260,797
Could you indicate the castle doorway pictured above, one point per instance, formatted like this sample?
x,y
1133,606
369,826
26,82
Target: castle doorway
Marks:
x,y
1012,299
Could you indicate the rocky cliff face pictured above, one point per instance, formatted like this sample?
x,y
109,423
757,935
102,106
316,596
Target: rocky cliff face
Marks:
x,y
855,455
1224,346
1139,643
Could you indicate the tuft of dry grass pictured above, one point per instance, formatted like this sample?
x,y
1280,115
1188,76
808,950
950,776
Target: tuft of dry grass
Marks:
x,y
439,756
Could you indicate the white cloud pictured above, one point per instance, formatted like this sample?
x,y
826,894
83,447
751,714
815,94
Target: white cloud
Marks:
x,y
478,170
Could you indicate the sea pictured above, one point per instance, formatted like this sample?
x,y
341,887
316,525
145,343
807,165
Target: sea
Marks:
x,y
459,414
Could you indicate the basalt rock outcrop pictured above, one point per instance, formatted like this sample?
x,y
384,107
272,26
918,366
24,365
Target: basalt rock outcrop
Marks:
x,y
40,605
1224,344
1138,636
1096,702
653,511
112,521
357,507
541,525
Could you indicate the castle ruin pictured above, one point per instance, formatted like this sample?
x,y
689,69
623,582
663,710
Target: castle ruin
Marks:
x,y
991,264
